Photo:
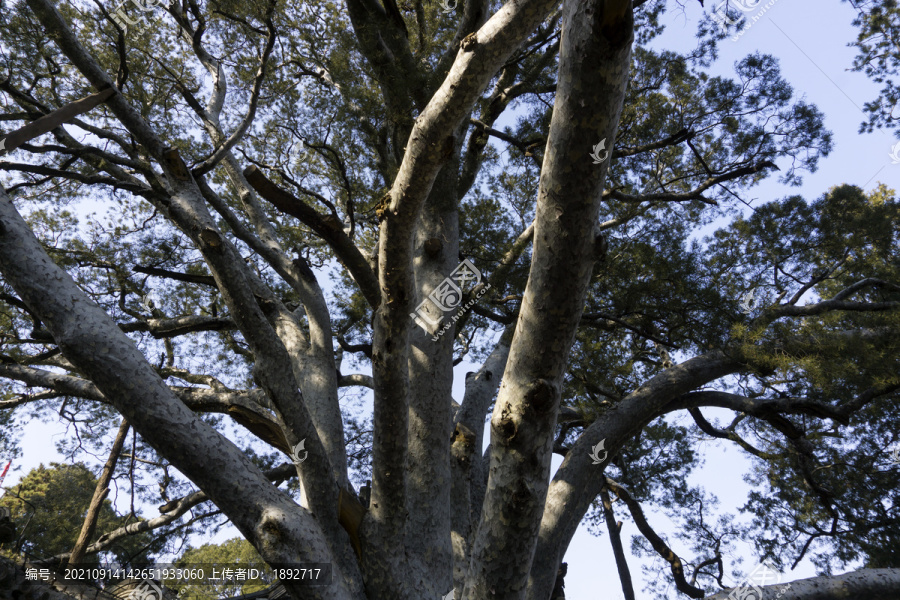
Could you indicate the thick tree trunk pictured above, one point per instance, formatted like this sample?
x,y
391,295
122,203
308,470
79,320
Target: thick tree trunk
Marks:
x,y
588,105
431,379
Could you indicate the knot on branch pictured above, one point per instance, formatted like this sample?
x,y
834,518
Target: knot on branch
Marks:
x,y
541,396
600,247
210,238
504,426
433,247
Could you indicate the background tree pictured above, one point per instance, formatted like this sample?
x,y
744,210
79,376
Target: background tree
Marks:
x,y
254,150
48,500
879,58
234,553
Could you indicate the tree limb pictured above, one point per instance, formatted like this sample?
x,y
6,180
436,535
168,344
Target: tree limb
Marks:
x,y
327,227
615,540
871,584
659,545
100,493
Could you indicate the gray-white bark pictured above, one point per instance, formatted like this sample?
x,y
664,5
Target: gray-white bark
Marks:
x,y
867,584
587,109
90,339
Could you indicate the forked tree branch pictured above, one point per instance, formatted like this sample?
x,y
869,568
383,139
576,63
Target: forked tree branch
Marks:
x,y
90,339
658,544
326,226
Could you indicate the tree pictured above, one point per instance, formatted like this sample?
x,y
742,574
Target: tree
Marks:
x,y
878,57
43,505
235,553
253,149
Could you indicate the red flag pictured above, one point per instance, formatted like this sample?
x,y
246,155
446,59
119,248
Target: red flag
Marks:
x,y
3,476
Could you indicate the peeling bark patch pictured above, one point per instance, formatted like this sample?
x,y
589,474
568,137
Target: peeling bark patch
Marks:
x,y
522,499
449,143
505,427
211,238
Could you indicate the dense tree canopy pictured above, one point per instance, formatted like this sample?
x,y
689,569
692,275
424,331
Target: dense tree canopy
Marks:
x,y
44,505
250,253
237,553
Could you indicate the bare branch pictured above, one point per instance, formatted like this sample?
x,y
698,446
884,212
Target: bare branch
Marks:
x,y
659,545
100,493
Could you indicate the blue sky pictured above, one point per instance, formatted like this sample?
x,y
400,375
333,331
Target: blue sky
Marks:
x,y
810,40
